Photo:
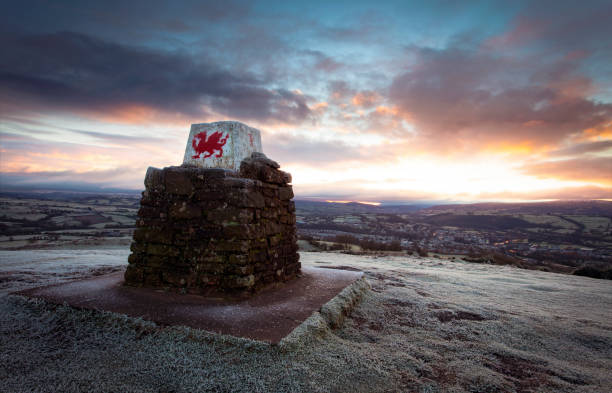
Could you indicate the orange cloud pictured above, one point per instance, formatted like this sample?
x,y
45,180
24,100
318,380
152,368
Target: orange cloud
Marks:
x,y
319,108
592,169
385,110
131,114
362,202
365,99
595,134
564,193
576,86
533,123
136,114
517,148
30,155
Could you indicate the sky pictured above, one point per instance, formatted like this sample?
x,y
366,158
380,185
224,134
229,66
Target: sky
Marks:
x,y
373,101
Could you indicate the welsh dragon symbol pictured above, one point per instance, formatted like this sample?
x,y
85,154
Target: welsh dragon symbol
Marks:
x,y
209,145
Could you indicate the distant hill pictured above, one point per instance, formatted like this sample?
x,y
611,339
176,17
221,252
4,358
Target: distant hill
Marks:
x,y
594,207
67,195
355,208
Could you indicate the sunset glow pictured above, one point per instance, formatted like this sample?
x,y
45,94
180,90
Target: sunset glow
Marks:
x,y
362,202
370,102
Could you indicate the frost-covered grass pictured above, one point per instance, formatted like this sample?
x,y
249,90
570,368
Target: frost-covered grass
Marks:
x,y
32,268
427,325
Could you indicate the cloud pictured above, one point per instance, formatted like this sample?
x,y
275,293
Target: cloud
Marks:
x,y
27,154
356,89
366,25
339,91
475,98
572,27
584,169
133,19
289,149
10,137
353,192
366,99
118,138
583,148
76,72
564,193
93,180
322,62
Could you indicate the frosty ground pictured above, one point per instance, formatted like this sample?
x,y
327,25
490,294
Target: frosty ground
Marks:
x,y
427,325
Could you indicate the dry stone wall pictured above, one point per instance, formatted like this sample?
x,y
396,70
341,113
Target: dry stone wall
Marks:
x,y
211,230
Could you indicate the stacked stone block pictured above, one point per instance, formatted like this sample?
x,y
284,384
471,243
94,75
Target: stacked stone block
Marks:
x,y
212,230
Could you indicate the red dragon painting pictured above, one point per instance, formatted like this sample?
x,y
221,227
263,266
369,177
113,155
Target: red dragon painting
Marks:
x,y
209,145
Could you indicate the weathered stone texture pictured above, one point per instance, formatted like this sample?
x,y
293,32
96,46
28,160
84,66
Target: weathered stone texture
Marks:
x,y
223,144
215,230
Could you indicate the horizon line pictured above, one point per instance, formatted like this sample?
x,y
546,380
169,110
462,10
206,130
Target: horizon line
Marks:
x,y
97,189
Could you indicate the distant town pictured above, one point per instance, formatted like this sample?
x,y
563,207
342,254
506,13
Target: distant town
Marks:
x,y
555,236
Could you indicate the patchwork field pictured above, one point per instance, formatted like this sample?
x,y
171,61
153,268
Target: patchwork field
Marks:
x,y
66,220
427,325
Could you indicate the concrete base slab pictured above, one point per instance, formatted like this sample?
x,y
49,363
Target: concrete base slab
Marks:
x,y
269,316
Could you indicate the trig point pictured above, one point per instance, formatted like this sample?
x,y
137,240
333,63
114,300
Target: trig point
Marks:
x,y
223,222
221,225
223,144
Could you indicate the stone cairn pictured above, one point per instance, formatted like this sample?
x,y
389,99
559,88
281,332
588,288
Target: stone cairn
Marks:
x,y
216,230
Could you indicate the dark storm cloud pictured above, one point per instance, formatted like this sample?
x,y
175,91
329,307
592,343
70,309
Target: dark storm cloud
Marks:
x,y
78,72
120,18
561,25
